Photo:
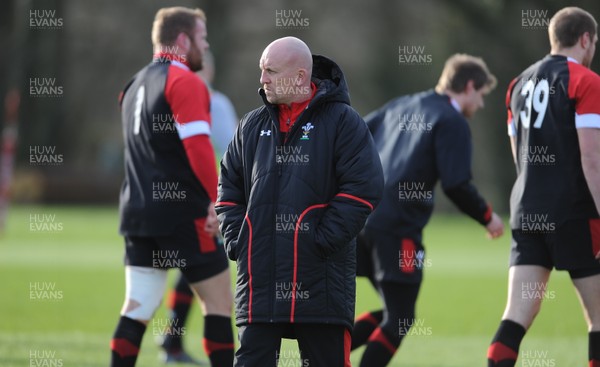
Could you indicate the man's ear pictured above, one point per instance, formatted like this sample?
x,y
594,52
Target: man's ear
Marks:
x,y
301,76
470,87
585,40
183,43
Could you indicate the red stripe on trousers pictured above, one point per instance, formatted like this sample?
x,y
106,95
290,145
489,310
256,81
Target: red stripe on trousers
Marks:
x,y
367,317
176,297
211,346
379,337
124,348
347,346
408,249
498,352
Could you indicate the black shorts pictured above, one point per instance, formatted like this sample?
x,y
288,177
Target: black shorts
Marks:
x,y
570,246
387,257
198,255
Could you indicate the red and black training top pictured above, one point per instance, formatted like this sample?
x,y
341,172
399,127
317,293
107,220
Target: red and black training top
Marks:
x,y
546,104
170,168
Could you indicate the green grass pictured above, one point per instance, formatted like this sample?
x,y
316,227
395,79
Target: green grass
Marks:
x,y
461,299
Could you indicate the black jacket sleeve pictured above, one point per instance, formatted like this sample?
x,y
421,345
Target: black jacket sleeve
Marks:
x,y
468,200
231,199
360,179
453,151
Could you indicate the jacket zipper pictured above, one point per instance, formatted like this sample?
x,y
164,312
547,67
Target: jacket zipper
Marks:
x,y
277,139
275,192
290,133
285,138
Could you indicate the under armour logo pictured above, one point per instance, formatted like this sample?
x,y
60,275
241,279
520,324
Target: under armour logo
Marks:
x,y
265,132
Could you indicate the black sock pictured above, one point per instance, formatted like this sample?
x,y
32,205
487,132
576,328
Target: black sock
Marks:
x,y
126,341
594,348
380,349
364,326
504,350
179,302
218,340
399,301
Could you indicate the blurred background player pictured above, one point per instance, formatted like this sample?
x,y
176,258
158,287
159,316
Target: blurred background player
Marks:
x,y
554,129
167,199
223,124
222,110
421,138
8,148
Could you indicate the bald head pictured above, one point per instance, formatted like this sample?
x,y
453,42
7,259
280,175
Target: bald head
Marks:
x,y
291,51
286,68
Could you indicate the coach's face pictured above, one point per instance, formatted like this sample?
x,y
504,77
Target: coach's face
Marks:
x,y
278,75
198,46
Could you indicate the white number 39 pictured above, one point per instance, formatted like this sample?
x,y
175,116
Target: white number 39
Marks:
x,y
536,97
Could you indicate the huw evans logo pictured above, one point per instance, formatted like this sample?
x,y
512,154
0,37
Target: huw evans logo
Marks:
x,y
537,223
410,191
165,123
167,259
44,87
291,19
537,155
413,55
415,327
289,223
291,155
168,191
534,19
44,358
290,87
44,155
45,291
286,291
414,123
44,223
44,19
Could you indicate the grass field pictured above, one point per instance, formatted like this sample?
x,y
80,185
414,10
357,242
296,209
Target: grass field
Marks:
x,y
71,259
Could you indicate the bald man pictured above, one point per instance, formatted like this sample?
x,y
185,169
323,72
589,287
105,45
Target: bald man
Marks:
x,y
297,184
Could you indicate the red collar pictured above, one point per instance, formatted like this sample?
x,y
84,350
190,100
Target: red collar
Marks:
x,y
289,115
162,56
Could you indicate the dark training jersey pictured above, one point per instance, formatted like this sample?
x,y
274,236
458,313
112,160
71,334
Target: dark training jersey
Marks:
x,y
546,104
422,138
165,107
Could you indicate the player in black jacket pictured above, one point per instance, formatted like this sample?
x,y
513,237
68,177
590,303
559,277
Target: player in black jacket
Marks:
x,y
554,127
297,183
421,138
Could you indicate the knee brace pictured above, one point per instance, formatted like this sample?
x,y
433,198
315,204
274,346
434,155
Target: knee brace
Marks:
x,y
146,287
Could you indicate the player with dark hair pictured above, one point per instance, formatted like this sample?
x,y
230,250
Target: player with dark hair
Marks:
x,y
554,127
167,199
421,138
